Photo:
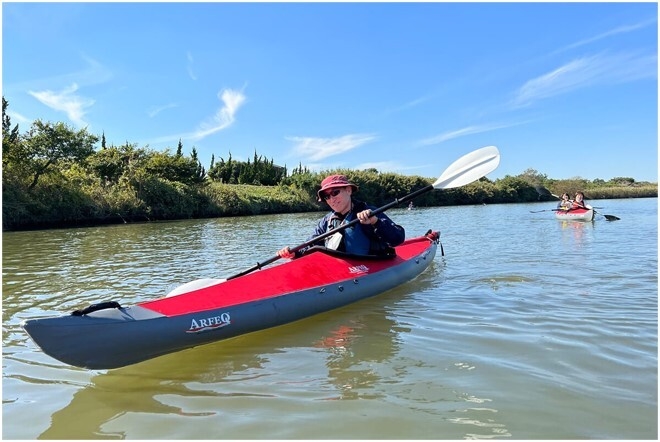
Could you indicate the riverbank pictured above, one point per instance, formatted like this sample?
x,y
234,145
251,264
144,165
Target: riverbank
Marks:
x,y
56,206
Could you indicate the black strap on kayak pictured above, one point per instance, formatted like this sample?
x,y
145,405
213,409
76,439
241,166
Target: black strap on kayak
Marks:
x,y
96,307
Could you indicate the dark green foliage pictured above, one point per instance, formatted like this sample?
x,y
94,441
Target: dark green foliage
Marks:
x,y
174,168
46,145
109,164
53,177
258,172
167,199
10,137
515,189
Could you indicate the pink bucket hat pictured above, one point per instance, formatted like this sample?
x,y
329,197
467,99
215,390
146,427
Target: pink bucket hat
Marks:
x,y
335,181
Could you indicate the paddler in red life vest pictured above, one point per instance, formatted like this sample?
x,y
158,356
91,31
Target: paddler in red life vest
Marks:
x,y
374,235
579,203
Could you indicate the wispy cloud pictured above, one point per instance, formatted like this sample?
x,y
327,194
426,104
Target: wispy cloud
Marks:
x,y
469,130
316,149
587,72
190,66
17,118
231,100
155,110
387,166
63,97
93,73
66,101
619,30
409,105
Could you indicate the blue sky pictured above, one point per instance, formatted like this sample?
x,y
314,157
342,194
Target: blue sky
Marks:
x,y
567,89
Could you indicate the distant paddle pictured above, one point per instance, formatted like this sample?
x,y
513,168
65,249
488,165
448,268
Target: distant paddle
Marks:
x,y
546,210
543,191
465,170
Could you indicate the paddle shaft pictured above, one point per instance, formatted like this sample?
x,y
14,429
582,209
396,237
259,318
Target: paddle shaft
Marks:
x,y
465,170
545,210
339,228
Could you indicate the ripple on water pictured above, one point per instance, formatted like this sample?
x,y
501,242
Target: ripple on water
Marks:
x,y
527,328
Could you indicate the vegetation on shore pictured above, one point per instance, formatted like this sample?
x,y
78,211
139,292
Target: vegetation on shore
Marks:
x,y
55,176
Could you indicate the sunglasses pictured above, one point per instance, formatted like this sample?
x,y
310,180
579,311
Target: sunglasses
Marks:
x,y
327,196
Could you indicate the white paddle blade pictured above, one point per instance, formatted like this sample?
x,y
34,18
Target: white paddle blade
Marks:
x,y
194,285
469,168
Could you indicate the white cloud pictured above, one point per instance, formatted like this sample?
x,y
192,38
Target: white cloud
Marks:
x,y
409,105
66,101
388,166
315,149
620,30
232,100
469,130
190,66
17,118
155,110
587,72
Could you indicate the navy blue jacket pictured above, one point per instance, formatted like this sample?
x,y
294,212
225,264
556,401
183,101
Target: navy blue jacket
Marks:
x,y
381,236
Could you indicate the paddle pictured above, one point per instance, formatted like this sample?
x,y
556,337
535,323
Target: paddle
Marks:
x,y
546,210
543,190
463,171
608,217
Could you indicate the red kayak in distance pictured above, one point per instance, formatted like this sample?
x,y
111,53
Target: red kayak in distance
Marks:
x,y
575,214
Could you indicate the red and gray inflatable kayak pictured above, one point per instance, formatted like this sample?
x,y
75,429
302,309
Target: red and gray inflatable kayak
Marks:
x,y
575,214
107,335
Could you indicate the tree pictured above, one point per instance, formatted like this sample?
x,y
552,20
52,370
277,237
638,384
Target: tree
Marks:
x,y
622,181
200,172
10,137
179,149
175,168
48,144
110,164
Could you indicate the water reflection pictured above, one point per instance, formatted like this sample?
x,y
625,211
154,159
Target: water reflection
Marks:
x,y
491,340
577,231
351,338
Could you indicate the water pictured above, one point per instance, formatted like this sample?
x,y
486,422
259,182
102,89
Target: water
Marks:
x,y
527,328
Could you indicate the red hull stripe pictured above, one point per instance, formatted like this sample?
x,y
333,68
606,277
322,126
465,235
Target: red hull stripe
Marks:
x,y
573,211
313,270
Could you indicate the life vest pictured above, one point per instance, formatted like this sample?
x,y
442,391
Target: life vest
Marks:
x,y
350,240
358,238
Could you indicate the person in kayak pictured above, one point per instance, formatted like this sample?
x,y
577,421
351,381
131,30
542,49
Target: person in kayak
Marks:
x,y
374,235
565,203
579,203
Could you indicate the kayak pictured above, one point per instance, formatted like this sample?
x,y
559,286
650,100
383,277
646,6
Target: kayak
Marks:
x,y
107,335
575,214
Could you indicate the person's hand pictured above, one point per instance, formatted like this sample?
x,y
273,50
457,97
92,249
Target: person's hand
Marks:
x,y
286,253
366,218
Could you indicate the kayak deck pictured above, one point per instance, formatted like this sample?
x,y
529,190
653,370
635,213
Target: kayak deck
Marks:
x,y
575,214
271,282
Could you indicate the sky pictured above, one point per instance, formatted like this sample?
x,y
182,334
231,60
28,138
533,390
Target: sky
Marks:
x,y
567,89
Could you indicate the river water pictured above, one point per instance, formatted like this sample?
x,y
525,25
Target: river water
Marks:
x,y
527,328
